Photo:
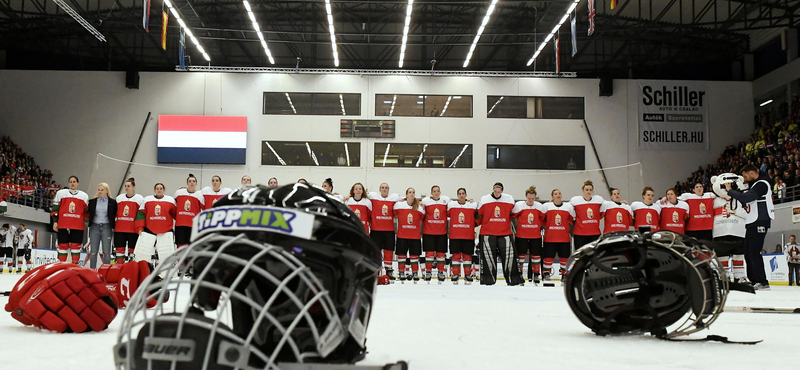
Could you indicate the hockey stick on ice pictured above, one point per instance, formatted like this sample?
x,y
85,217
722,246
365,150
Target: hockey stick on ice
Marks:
x,y
744,309
5,294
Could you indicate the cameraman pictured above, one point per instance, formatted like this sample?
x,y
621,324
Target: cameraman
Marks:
x,y
758,201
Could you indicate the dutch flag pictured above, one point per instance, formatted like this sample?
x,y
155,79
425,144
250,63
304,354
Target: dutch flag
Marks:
x,y
202,139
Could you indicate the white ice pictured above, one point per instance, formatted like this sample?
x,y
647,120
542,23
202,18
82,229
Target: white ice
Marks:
x,y
479,327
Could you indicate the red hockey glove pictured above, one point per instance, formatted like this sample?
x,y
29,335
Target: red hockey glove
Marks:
x,y
122,280
24,285
72,299
383,280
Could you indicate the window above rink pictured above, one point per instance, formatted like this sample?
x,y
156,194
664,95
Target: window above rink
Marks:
x,y
417,105
498,106
536,157
312,104
310,153
423,155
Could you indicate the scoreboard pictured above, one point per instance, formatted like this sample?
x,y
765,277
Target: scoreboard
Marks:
x,y
366,128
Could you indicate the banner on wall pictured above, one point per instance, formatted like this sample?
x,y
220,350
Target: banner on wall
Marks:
x,y
795,214
673,115
777,268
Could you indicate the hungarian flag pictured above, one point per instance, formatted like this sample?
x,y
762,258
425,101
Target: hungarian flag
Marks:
x,y
591,17
613,4
164,21
182,50
146,16
573,28
558,55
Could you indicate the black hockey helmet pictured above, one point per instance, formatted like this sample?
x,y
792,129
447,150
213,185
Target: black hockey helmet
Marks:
x,y
279,275
629,282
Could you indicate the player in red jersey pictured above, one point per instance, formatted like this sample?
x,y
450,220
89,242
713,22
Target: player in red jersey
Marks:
x,y
360,204
529,215
674,213
382,224
409,214
71,209
701,212
494,216
587,215
189,202
434,232
213,192
462,236
557,217
125,235
646,213
154,224
617,216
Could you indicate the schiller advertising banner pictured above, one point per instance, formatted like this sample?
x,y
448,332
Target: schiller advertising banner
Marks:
x,y
673,115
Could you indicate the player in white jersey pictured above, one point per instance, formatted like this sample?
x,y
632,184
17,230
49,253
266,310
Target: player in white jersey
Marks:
x,y
327,185
729,231
22,253
7,234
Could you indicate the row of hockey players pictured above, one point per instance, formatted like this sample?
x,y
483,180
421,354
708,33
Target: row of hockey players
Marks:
x,y
542,230
15,248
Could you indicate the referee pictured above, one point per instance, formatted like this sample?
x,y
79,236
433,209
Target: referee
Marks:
x,y
761,212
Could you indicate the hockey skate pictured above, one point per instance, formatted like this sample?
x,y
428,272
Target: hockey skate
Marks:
x,y
468,279
454,278
546,280
535,280
428,276
440,278
415,276
401,275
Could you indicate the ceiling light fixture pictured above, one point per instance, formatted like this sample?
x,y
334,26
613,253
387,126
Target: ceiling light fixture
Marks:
x,y
258,30
553,32
405,32
189,33
329,10
480,32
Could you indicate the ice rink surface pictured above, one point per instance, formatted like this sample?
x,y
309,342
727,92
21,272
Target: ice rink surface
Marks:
x,y
480,327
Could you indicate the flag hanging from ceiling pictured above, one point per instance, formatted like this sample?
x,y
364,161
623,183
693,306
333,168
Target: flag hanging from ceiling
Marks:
x,y
591,17
613,4
556,42
573,28
182,50
146,15
164,21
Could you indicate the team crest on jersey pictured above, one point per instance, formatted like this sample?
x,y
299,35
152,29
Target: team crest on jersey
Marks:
x,y
158,210
461,217
126,211
358,213
675,217
187,205
589,213
496,211
436,214
71,207
649,218
702,208
530,218
558,220
410,219
385,210
619,217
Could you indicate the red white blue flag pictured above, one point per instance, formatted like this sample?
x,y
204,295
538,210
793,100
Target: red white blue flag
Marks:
x,y
202,139
146,16
592,13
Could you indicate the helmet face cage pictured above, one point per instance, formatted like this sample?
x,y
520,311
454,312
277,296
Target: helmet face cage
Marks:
x,y
632,283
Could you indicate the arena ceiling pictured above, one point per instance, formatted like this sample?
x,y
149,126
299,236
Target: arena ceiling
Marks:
x,y
639,38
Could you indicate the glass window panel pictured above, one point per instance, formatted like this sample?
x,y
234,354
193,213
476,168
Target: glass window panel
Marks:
x,y
536,157
306,104
310,153
423,155
534,107
409,105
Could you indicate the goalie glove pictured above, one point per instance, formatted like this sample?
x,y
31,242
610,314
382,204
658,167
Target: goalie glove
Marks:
x,y
62,297
122,280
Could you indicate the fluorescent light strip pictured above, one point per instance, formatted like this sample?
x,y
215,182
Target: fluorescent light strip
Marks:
x,y
252,17
553,32
391,111
331,29
495,104
386,154
290,103
459,156
447,104
78,18
405,32
276,154
765,103
341,102
347,153
177,15
480,31
424,148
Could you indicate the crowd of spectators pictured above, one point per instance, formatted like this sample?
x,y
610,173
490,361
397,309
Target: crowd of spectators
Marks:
x,y
23,181
773,147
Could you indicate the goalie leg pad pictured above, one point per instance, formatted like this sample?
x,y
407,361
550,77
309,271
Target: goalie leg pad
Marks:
x,y
145,247
165,245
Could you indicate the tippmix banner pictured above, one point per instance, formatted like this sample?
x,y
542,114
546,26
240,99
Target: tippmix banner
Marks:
x,y
673,115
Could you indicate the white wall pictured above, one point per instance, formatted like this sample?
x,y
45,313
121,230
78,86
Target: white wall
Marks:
x,y
65,118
